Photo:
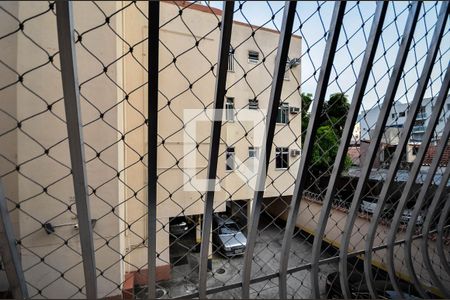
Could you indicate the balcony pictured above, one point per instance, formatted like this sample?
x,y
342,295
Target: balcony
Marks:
x,y
422,116
120,177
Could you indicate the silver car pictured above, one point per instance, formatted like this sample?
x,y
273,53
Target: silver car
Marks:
x,y
407,215
227,236
369,205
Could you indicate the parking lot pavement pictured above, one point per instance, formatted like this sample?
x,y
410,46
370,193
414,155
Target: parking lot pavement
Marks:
x,y
226,271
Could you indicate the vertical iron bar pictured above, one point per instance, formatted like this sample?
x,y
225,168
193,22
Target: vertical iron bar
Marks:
x,y
9,252
274,103
64,18
422,198
396,160
375,142
439,196
429,179
222,67
319,98
152,131
440,239
366,67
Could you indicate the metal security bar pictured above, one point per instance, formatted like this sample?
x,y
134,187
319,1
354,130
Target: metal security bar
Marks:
x,y
224,149
75,136
381,123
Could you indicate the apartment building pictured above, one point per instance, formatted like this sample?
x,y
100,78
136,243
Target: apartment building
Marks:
x,y
33,134
423,118
394,125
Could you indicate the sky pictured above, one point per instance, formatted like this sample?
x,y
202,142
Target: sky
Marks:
x,y
315,17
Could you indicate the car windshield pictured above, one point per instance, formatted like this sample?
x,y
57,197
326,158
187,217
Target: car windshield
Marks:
x,y
229,229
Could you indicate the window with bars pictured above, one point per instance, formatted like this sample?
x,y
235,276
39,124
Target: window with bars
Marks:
x,y
187,212
231,60
253,104
253,57
229,109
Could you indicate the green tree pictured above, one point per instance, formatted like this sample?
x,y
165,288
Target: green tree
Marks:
x,y
329,132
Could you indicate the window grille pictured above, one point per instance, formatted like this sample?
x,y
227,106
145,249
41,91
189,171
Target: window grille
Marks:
x,y
115,169
253,104
229,109
253,57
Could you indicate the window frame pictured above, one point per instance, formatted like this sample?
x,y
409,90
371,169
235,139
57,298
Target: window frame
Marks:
x,y
287,71
252,105
252,60
230,67
230,152
280,152
229,109
283,107
254,150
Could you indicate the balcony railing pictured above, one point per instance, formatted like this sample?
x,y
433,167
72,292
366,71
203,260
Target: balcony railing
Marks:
x,y
132,164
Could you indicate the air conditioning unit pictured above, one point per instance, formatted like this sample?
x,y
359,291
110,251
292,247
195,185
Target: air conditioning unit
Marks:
x,y
295,152
294,110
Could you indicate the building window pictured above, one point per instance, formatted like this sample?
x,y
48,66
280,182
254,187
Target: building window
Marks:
x,y
394,115
422,110
415,150
231,60
283,113
402,114
253,104
229,108
229,159
253,57
281,158
287,71
448,106
253,152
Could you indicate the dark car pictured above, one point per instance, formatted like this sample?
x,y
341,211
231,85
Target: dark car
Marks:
x,y
227,236
179,226
359,290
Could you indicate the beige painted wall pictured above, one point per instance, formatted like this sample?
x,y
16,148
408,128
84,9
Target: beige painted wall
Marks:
x,y
28,103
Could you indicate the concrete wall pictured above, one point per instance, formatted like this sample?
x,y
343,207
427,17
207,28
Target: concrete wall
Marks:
x,y
307,220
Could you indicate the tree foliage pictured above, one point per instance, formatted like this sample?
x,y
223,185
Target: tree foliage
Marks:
x,y
329,132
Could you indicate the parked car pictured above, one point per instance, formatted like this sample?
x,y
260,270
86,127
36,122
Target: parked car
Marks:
x,y
227,236
369,205
407,215
179,227
359,290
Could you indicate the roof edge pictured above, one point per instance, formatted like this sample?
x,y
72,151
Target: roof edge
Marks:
x,y
218,12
